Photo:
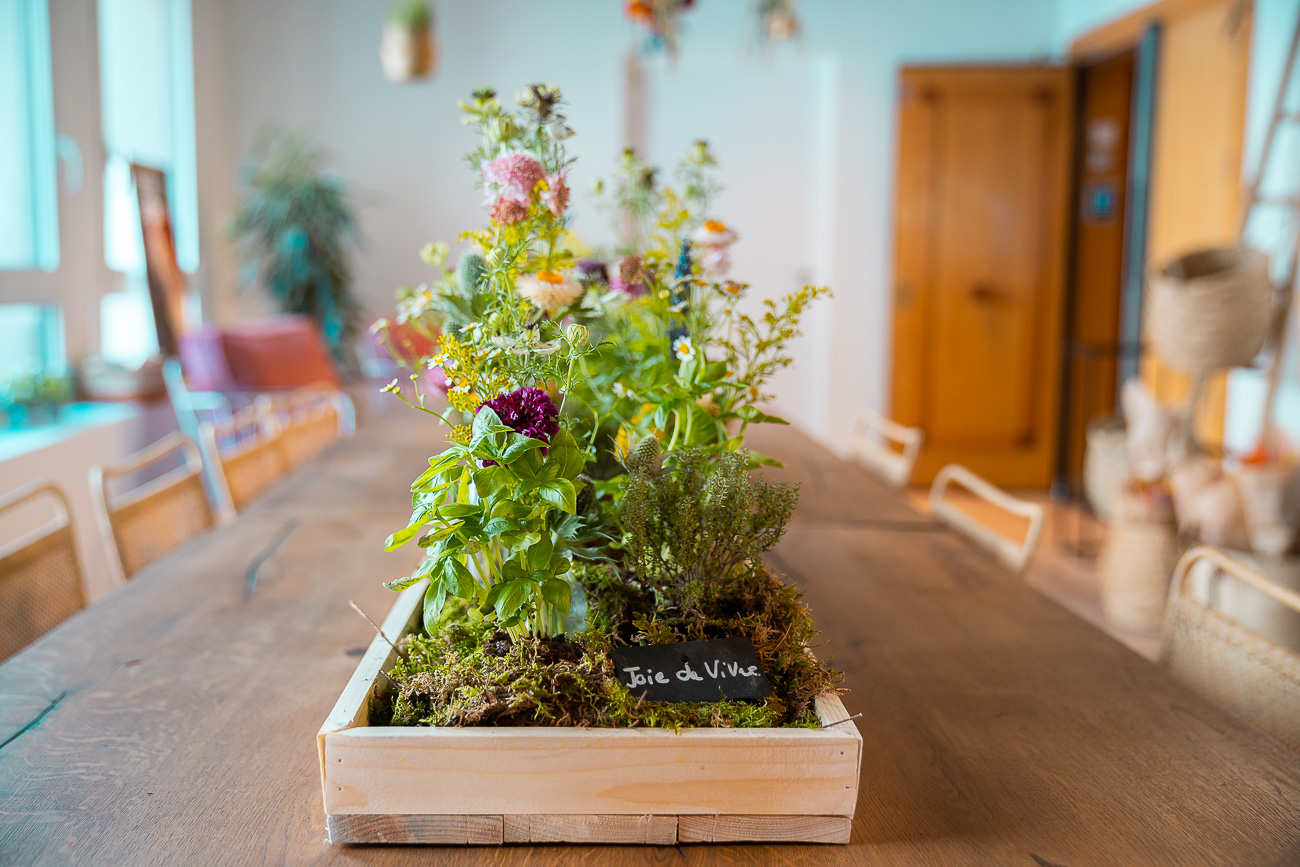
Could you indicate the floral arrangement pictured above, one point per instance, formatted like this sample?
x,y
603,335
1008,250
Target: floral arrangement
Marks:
x,y
595,488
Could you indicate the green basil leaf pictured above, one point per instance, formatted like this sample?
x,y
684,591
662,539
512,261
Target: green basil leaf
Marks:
x,y
434,598
539,555
458,577
560,493
557,592
484,420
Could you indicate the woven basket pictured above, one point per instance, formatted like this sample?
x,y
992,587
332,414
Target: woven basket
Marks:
x,y
1229,663
1248,606
1105,464
1210,309
1134,567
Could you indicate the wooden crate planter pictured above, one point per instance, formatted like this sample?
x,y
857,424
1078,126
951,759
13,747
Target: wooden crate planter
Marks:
x,y
391,784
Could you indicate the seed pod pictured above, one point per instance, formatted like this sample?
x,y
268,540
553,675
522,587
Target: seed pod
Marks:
x,y
471,272
646,458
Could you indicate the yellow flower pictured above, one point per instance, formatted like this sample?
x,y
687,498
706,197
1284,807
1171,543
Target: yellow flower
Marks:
x,y
460,434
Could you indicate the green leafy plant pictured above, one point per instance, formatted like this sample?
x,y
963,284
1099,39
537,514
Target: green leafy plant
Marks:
x,y
497,515
297,225
698,520
41,388
411,14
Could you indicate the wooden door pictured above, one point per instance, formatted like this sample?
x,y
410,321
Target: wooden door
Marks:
x,y
981,223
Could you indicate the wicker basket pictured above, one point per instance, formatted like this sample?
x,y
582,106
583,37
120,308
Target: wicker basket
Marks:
x,y
1135,564
1105,464
1210,309
1248,606
1229,663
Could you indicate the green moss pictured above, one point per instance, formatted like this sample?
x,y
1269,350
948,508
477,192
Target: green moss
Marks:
x,y
466,673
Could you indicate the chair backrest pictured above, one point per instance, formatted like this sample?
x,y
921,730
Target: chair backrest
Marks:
x,y
1015,555
40,578
248,453
152,520
310,421
872,433
1227,662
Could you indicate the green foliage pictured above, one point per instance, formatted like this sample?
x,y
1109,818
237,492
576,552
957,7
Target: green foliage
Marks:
x,y
700,521
411,14
297,225
469,674
40,388
498,518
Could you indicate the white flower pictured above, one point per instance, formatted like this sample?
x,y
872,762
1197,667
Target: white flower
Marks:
x,y
380,324
391,387
550,290
714,233
621,390
683,348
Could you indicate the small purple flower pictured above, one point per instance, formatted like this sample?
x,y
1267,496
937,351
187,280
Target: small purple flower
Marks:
x,y
592,271
529,411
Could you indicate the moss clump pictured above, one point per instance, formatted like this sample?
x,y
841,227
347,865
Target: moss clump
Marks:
x,y
469,674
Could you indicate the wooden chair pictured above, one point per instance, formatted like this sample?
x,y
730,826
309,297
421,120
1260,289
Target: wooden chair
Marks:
x,y
248,455
40,577
869,443
154,519
310,421
1015,555
1227,662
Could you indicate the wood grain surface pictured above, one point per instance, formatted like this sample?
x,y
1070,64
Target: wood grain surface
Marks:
x,y
174,722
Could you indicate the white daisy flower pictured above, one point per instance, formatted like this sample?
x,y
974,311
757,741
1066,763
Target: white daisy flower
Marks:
x,y
683,348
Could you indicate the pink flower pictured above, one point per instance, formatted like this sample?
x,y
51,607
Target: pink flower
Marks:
x,y
507,212
556,195
515,176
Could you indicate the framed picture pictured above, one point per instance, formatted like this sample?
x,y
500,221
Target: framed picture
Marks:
x,y
166,280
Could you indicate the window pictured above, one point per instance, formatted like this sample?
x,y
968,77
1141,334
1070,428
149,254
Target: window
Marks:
x,y
146,81
29,222
31,341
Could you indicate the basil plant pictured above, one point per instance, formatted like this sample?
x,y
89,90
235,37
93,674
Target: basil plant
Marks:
x,y
498,519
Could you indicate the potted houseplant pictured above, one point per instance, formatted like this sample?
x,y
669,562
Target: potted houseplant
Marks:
x,y
592,619
407,48
36,399
297,228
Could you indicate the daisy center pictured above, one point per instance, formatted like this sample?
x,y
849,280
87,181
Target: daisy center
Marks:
x,y
715,225
550,277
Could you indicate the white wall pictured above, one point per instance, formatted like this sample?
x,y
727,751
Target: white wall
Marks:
x,y
312,64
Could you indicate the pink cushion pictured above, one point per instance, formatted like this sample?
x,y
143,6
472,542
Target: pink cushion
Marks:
x,y
283,352
203,358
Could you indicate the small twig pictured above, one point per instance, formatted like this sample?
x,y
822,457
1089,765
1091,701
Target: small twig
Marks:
x,y
250,577
840,721
377,629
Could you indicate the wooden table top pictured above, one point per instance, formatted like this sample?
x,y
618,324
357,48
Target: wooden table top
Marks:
x,y
175,721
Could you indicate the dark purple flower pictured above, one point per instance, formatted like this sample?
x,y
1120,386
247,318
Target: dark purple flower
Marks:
x,y
529,411
592,271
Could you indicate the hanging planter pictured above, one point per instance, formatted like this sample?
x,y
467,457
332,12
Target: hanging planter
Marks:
x,y
1210,309
408,49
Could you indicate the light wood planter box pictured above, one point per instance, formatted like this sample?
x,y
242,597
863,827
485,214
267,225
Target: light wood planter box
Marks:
x,y
391,784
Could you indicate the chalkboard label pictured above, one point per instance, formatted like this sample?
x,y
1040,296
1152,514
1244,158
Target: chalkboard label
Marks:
x,y
693,670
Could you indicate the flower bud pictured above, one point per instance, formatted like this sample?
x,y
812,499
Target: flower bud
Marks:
x,y
577,335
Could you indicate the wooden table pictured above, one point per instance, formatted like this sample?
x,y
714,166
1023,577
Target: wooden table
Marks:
x,y
175,721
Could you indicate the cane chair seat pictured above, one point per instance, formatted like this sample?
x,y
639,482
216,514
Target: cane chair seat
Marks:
x,y
158,517
40,577
1226,661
